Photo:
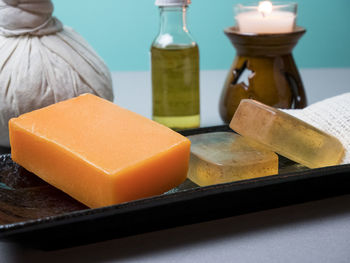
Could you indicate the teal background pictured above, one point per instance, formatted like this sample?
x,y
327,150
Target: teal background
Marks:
x,y
121,31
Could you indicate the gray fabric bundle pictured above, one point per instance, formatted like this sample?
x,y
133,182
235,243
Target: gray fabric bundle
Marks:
x,y
43,62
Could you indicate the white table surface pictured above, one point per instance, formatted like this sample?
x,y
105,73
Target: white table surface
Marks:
x,y
311,232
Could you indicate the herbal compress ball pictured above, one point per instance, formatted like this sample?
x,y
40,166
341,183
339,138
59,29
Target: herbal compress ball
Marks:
x,y
43,62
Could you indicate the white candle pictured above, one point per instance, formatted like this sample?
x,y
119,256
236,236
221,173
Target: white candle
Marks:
x,y
266,19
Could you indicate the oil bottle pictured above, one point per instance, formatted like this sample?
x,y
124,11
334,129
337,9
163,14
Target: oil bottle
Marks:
x,y
175,69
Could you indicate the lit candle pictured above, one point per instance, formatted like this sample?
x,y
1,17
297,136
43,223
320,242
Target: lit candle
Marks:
x,y
266,18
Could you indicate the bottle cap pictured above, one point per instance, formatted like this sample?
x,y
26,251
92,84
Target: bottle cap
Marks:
x,y
172,2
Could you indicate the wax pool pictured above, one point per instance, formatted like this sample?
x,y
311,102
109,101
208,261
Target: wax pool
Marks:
x,y
257,22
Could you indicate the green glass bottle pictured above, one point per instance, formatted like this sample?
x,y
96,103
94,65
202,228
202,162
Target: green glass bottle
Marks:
x,y
175,69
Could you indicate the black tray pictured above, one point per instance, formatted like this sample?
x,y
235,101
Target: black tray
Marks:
x,y
35,214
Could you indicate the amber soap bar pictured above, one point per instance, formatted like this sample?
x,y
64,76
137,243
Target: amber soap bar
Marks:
x,y
98,152
222,157
286,135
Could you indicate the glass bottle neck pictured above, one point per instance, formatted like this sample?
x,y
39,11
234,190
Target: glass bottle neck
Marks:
x,y
173,19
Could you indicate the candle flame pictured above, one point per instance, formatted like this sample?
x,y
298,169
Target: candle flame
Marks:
x,y
265,8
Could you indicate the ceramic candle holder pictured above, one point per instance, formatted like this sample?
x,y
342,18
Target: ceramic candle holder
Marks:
x,y
273,75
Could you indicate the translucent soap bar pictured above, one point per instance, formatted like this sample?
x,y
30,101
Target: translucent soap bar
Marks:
x,y
286,135
222,157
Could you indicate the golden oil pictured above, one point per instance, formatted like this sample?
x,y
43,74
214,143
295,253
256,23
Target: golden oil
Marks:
x,y
175,86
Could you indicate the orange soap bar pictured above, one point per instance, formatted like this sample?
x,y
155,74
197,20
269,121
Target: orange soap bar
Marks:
x,y
97,152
